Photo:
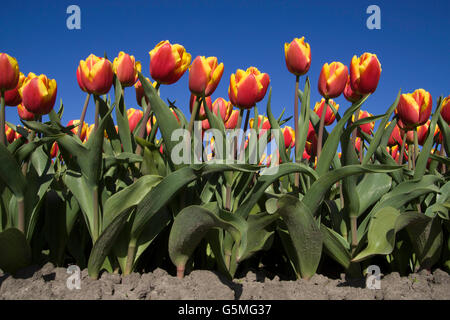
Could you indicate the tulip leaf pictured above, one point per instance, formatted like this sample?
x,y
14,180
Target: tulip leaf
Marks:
x,y
11,174
192,224
303,121
304,232
15,253
336,246
274,125
445,131
122,117
371,188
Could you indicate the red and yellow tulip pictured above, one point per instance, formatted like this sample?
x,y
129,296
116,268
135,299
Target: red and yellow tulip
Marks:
x,y
289,137
24,114
329,114
168,62
205,75
12,97
10,134
140,91
367,127
134,116
414,109
201,112
365,73
445,109
222,107
395,137
349,94
9,72
95,75
84,128
332,79
38,93
247,87
298,56
126,69
232,121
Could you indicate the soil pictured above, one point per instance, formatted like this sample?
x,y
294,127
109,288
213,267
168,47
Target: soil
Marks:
x,y
48,282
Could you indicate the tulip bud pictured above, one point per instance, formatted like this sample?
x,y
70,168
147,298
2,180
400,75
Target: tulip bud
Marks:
x,y
140,91
219,106
10,134
95,74
422,132
311,139
204,75
232,121
75,130
134,116
262,128
201,113
54,150
149,124
395,137
168,62
298,56
414,109
24,114
289,137
365,73
38,94
126,69
367,127
349,94
9,72
445,109
329,114
12,97
247,87
332,79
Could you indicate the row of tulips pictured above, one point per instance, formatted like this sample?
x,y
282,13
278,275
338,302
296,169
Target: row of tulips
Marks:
x,y
110,196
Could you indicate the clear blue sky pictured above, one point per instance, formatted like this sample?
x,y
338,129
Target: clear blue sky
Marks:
x,y
413,44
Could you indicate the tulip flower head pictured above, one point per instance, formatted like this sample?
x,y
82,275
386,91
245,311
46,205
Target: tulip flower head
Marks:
x,y
134,116
220,107
168,62
329,114
332,79
9,72
140,91
414,109
365,73
248,87
38,93
289,137
10,134
395,137
12,97
298,56
367,127
95,75
204,75
126,68
445,109
201,112
349,94
83,128
232,121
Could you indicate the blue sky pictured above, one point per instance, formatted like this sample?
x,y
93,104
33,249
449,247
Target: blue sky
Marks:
x,y
413,44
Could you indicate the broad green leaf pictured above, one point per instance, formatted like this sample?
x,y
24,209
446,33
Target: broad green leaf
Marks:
x,y
304,232
11,174
15,253
371,188
122,118
274,125
336,246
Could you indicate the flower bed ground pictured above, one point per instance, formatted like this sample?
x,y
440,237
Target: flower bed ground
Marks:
x,y
49,282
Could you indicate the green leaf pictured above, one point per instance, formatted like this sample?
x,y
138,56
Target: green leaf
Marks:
x,y
11,174
336,246
371,188
304,233
122,118
274,125
192,224
15,253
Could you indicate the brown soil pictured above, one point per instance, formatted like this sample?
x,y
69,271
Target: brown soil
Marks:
x,y
49,282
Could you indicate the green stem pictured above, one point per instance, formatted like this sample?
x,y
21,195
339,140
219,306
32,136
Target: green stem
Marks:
x,y
195,110
96,231
354,231
2,119
83,115
442,154
238,126
356,129
297,150
402,150
416,147
242,149
131,255
143,126
321,126
97,109
21,214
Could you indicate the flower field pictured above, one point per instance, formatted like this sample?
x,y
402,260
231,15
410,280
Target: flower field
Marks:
x,y
229,186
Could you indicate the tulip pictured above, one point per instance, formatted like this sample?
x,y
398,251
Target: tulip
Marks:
x,y
201,113
10,134
232,121
222,107
365,73
168,62
90,130
38,94
96,75
12,97
247,87
332,79
9,72
298,56
289,137
134,116
349,94
149,124
140,91
311,138
368,127
395,138
24,114
445,109
54,150
204,75
329,115
265,124
126,69
414,109
84,128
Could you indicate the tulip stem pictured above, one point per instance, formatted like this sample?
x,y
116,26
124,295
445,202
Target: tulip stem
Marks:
x,y
355,130
321,126
97,109
194,114
242,148
442,154
143,126
131,254
416,148
83,115
402,150
2,119
297,142
21,214
238,126
96,230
